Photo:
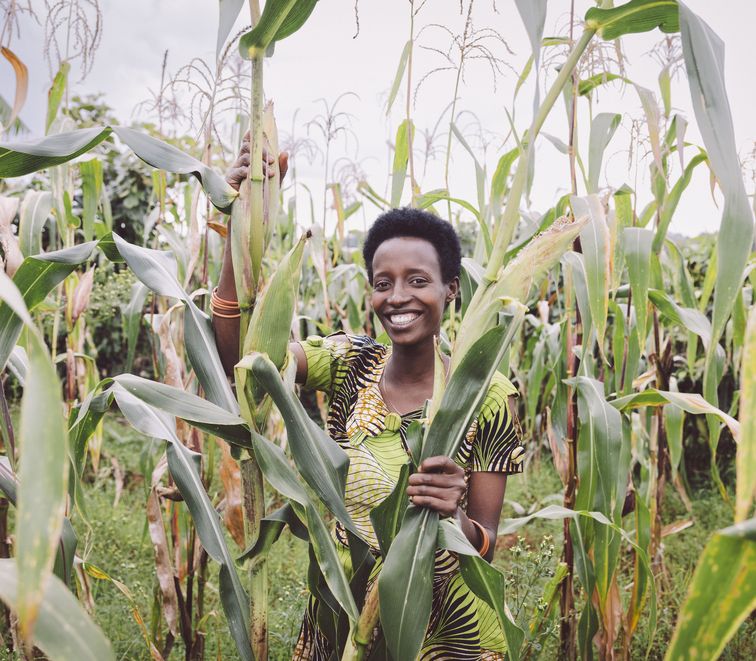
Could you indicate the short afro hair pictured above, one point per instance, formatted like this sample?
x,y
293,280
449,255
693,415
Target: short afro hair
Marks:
x,y
415,223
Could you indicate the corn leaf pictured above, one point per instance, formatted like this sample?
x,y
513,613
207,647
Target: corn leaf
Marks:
x,y
634,16
636,243
91,188
400,69
721,594
594,239
43,481
401,157
320,461
603,127
131,314
279,473
271,528
184,468
20,158
35,210
64,631
388,515
158,272
228,12
745,461
55,93
278,21
484,580
690,402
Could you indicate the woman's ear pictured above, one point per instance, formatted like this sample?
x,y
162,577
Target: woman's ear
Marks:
x,y
452,289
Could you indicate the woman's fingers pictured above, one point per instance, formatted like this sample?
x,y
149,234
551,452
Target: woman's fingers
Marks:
x,y
443,507
440,464
437,480
240,169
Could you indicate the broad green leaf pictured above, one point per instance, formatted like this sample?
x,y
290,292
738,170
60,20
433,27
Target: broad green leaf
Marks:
x,y
405,584
603,127
402,146
721,594
674,423
279,473
278,21
131,314
63,631
55,93
183,465
91,187
20,158
587,85
161,155
387,516
228,12
321,462
575,262
35,210
673,198
157,271
745,461
271,528
43,476
197,411
594,239
690,402
636,245
484,580
399,75
634,16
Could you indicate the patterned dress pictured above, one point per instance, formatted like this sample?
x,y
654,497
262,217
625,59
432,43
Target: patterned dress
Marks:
x,y
461,625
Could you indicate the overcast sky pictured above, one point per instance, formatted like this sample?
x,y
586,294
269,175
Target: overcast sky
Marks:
x,y
325,60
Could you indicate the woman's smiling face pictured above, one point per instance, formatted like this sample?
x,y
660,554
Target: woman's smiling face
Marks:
x,y
409,294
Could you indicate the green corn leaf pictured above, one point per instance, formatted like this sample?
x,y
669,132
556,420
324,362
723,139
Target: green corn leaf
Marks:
x,y
270,325
632,17
575,262
43,476
594,239
603,127
278,21
228,12
321,462
673,198
183,465
192,409
55,93
587,85
64,631
400,69
689,402
721,594
405,584
387,516
157,271
636,245
674,421
484,580
271,528
20,158
279,473
404,136
745,461
91,188
35,210
131,314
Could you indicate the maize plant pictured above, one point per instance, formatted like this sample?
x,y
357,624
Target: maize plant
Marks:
x,y
593,309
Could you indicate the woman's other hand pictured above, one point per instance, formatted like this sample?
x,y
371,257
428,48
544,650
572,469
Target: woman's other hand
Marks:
x,y
240,169
439,485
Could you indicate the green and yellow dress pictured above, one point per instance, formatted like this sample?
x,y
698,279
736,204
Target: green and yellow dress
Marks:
x,y
461,625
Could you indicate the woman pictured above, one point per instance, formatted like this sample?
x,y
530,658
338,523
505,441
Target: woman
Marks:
x,y
374,391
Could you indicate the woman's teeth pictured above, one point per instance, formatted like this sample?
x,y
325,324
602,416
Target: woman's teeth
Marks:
x,y
403,319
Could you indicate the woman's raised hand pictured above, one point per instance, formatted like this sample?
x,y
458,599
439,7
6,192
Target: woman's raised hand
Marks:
x,y
439,485
240,169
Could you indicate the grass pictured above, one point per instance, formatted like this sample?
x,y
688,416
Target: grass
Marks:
x,y
118,543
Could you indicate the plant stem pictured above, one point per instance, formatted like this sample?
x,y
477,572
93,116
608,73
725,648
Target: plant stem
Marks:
x,y
410,132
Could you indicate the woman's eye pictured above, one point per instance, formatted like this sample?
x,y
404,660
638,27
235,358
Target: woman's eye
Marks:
x,y
419,281
381,286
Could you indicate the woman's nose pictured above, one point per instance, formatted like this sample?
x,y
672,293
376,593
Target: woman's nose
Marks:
x,y
398,295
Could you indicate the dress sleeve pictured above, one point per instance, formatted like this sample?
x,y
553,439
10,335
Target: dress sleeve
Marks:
x,y
326,360
497,444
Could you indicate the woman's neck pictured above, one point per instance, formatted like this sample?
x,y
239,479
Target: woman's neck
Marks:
x,y
412,365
